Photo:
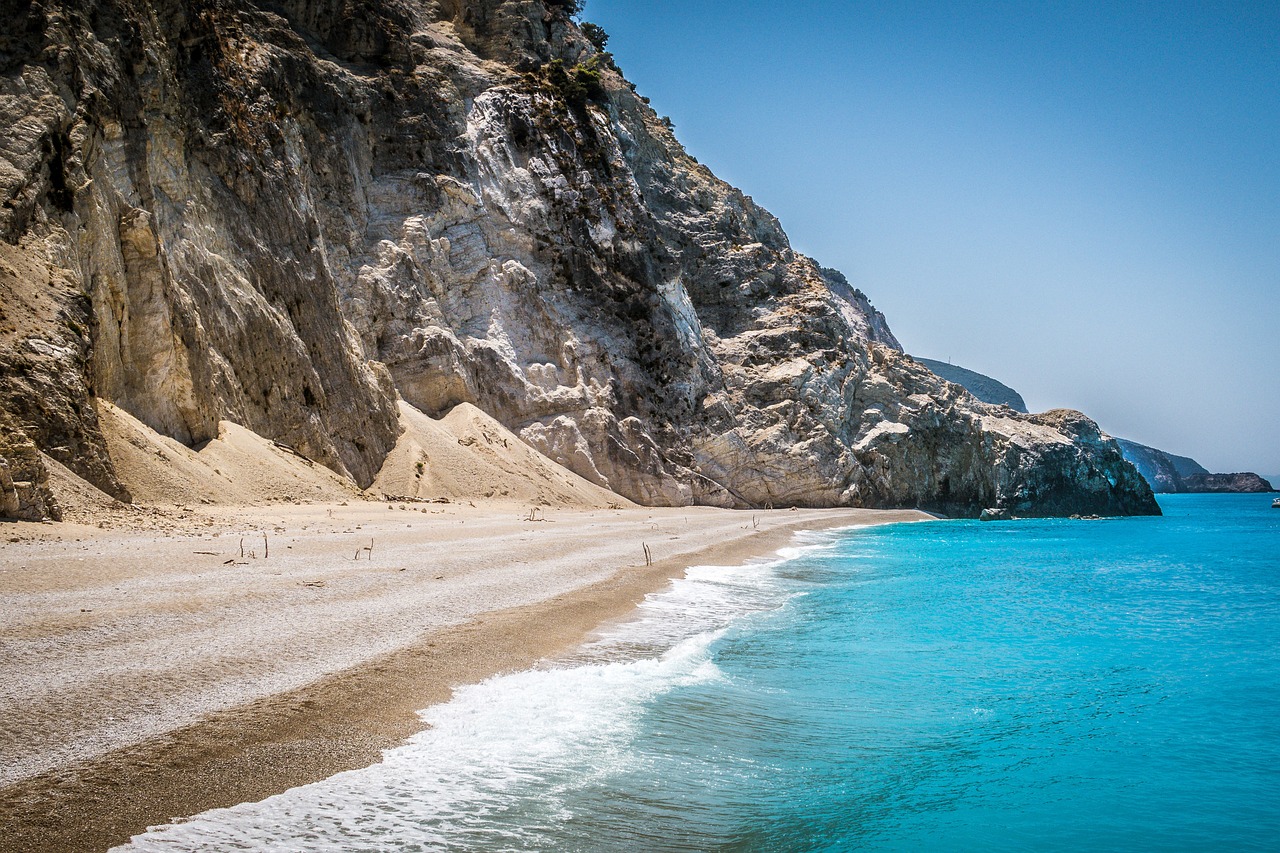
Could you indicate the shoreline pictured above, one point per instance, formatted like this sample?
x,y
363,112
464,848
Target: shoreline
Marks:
x,y
344,719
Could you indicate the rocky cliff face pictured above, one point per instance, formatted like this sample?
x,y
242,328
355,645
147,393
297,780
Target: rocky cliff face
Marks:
x,y
1168,473
1156,466
1184,466
1246,481
286,214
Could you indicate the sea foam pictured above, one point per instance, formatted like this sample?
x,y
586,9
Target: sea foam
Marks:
x,y
497,764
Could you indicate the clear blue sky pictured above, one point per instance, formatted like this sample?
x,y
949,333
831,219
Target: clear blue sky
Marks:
x,y
1079,199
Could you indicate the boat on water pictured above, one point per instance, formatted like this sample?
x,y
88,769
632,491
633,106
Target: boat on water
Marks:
x,y
1275,503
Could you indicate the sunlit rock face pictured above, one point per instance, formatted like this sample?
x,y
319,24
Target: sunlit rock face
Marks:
x,y
287,214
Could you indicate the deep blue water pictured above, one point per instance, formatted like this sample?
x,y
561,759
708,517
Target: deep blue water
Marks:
x,y
950,686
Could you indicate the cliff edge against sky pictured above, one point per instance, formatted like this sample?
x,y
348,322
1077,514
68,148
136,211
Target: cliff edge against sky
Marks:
x,y
288,214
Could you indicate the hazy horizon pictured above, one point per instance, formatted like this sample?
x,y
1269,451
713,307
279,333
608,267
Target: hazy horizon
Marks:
x,y
1082,202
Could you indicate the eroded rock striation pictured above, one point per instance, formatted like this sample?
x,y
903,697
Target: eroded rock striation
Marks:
x,y
288,214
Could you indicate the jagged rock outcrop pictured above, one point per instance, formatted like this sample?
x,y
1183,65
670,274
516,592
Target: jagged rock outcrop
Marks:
x,y
285,214
1164,472
983,387
24,479
174,241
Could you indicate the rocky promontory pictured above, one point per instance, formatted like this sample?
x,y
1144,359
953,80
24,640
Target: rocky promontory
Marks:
x,y
1171,474
1165,472
1246,481
294,215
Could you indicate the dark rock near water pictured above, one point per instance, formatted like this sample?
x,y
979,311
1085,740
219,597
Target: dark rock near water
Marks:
x,y
1165,472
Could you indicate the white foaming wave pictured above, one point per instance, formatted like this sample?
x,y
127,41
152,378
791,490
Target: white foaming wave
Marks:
x,y
543,730
511,747
709,598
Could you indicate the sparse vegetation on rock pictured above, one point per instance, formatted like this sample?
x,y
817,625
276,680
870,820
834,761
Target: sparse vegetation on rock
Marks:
x,y
286,219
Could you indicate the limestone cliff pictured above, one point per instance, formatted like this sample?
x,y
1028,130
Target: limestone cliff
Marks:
x,y
286,214
1156,466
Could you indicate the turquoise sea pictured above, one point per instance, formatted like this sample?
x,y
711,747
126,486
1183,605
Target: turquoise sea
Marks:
x,y
945,686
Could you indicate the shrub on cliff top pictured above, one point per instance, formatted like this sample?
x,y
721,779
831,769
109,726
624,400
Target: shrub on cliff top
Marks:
x,y
596,35
599,38
571,7
579,84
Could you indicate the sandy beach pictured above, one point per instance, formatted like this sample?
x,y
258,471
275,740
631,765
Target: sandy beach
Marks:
x,y
235,653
